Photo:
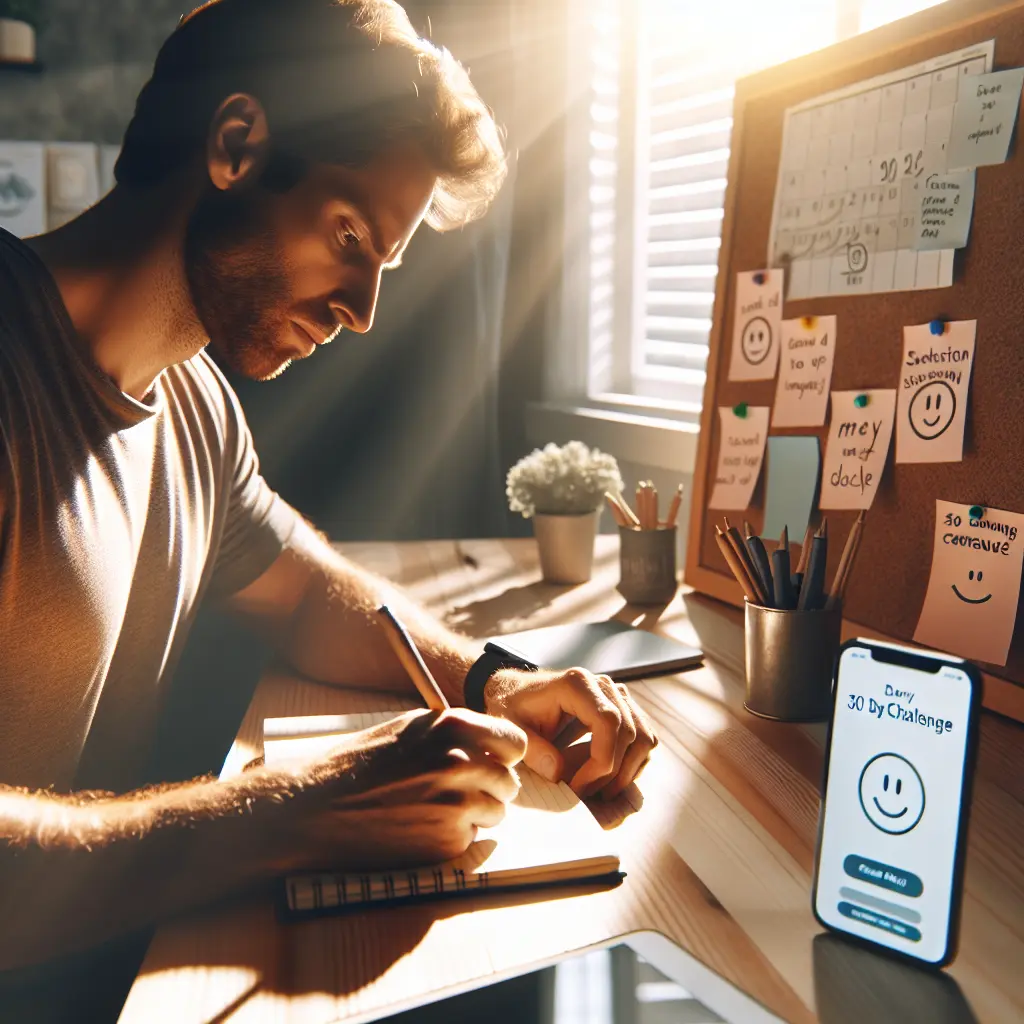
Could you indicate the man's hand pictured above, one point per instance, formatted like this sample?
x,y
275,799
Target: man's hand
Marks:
x,y
411,791
542,702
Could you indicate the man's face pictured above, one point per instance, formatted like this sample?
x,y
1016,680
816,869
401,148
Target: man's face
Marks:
x,y
273,275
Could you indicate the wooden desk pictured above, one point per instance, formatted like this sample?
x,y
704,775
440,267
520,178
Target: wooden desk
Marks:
x,y
719,857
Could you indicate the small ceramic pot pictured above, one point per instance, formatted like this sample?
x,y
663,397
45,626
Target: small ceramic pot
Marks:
x,y
17,41
566,546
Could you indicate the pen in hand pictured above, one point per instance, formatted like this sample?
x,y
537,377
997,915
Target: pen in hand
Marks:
x,y
411,659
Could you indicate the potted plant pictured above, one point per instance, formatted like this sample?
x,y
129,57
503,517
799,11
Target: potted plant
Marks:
x,y
19,20
562,490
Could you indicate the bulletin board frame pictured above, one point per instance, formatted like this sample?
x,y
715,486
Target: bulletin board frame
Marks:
x,y
889,569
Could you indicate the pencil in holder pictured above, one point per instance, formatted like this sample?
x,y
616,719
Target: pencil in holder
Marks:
x,y
647,565
790,660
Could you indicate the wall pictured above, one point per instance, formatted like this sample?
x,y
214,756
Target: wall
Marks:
x,y
96,57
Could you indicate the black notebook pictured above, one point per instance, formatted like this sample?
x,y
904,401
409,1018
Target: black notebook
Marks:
x,y
611,648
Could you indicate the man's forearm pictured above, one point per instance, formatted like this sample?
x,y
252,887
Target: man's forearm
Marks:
x,y
75,871
335,636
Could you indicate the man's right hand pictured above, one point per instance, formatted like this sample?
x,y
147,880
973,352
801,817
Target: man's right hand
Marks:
x,y
410,791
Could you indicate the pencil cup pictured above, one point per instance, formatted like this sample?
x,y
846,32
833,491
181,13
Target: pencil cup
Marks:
x,y
647,565
790,660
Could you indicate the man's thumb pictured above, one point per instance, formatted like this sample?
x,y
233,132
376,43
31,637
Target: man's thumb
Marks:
x,y
543,757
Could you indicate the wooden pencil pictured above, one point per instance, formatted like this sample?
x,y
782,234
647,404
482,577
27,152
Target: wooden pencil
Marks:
x,y
846,563
616,512
736,566
628,514
736,541
411,659
805,550
673,508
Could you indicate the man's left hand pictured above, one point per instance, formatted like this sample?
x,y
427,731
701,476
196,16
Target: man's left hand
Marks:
x,y
542,702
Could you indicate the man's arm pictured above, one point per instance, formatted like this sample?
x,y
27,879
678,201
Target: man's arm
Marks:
x,y
78,870
320,609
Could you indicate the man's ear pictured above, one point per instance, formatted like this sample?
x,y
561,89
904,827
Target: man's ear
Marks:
x,y
238,143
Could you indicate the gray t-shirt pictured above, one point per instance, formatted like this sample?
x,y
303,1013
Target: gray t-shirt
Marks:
x,y
116,518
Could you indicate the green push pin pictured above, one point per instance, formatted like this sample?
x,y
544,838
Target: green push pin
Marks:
x,y
861,401
976,512
740,410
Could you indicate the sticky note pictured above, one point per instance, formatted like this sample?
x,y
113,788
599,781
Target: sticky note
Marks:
x,y
935,377
983,118
740,454
857,447
805,371
794,466
970,606
947,204
755,331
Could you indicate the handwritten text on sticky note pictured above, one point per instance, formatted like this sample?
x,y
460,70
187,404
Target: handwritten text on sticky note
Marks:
x,y
947,203
755,331
858,443
805,371
983,119
934,380
970,606
740,454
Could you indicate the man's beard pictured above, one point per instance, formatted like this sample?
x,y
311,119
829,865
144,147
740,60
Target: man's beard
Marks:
x,y
236,277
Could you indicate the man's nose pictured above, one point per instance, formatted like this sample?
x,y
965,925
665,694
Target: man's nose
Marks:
x,y
357,308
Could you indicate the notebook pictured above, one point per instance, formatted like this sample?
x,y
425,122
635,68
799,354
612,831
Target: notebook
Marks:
x,y
610,648
548,837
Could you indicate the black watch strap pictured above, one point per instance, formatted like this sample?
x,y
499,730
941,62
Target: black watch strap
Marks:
x,y
483,668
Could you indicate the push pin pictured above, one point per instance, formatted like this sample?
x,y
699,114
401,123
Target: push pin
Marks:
x,y
808,322
760,277
740,410
937,327
976,512
860,401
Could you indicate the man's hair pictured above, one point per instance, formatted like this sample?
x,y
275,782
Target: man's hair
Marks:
x,y
340,80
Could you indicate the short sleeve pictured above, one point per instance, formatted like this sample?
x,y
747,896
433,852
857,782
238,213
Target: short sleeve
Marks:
x,y
258,522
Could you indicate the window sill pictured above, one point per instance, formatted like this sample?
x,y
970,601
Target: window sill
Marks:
x,y
646,439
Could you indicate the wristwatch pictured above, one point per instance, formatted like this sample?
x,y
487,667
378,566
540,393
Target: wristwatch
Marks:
x,y
492,660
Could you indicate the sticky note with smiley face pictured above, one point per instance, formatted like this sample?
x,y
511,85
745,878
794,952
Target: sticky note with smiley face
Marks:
x,y
756,325
935,377
970,607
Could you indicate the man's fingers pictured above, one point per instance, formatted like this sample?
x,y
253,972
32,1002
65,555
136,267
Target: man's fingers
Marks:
x,y
583,696
491,778
498,737
627,728
639,752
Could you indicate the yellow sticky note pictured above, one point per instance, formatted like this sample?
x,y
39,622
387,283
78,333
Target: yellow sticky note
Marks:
x,y
858,445
756,324
741,441
970,606
805,371
934,380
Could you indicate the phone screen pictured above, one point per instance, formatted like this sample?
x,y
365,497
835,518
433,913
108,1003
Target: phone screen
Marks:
x,y
893,803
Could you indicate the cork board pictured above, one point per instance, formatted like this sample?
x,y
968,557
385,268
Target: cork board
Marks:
x,y
888,586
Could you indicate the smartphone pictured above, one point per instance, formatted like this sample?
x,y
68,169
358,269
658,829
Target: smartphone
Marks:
x,y
899,767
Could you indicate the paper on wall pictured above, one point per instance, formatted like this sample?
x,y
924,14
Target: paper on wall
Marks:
x,y
983,120
970,607
935,378
23,188
858,443
794,467
805,371
947,205
740,454
755,331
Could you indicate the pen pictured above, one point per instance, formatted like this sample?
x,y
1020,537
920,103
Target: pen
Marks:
x,y
411,659
813,590
758,555
784,596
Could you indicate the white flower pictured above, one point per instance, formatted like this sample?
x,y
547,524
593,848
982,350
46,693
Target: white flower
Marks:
x,y
562,481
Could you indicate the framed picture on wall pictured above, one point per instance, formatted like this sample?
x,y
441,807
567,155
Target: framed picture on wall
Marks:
x,y
23,188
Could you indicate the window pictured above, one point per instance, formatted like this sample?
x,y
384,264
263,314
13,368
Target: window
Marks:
x,y
661,77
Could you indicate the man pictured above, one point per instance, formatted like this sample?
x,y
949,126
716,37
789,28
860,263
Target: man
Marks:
x,y
280,158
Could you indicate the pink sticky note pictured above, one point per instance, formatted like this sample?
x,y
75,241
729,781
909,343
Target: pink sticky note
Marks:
x,y
756,325
970,607
740,455
934,380
807,348
857,447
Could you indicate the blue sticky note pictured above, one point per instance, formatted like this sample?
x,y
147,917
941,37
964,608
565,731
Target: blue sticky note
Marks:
x,y
794,469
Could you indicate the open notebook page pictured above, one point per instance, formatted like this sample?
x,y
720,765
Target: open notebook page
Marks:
x,y
547,834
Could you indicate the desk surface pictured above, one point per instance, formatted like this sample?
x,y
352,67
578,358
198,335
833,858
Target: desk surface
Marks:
x,y
718,848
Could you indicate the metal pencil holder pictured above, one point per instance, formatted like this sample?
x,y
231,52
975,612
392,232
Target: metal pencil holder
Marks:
x,y
790,659
647,565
